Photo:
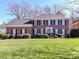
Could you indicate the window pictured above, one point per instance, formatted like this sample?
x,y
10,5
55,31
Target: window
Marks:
x,y
38,31
45,22
11,31
63,31
25,30
49,23
38,22
44,30
20,31
60,22
59,31
63,22
56,22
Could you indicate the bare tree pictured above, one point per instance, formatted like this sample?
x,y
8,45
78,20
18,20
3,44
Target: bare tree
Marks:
x,y
47,9
19,10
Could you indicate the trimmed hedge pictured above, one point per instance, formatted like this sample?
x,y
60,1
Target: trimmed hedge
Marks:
x,y
40,36
3,36
25,36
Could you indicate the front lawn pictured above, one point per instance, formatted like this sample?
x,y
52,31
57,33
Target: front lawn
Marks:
x,y
39,49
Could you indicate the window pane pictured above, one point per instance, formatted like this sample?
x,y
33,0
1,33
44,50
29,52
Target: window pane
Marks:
x,y
49,23
63,22
56,22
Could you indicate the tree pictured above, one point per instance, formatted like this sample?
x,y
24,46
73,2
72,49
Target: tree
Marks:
x,y
47,9
19,10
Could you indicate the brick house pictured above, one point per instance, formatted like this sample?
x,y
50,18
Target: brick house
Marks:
x,y
49,24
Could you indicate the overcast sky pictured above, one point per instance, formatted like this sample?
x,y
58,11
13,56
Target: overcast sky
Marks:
x,y
4,4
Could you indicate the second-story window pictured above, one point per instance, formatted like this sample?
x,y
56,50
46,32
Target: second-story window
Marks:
x,y
38,22
49,22
45,22
63,22
59,22
56,22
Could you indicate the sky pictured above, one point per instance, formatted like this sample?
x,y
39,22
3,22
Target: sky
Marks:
x,y
4,4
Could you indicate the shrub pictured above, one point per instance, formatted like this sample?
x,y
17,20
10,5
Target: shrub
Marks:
x,y
19,37
10,37
36,36
40,36
43,36
26,36
3,36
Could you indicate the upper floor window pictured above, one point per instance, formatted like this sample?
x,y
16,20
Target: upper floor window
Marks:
x,y
63,22
56,22
49,22
45,22
60,22
38,22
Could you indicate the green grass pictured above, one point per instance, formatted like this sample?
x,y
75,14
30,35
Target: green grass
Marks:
x,y
39,49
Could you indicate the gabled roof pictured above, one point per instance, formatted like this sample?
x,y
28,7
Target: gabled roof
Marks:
x,y
19,22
